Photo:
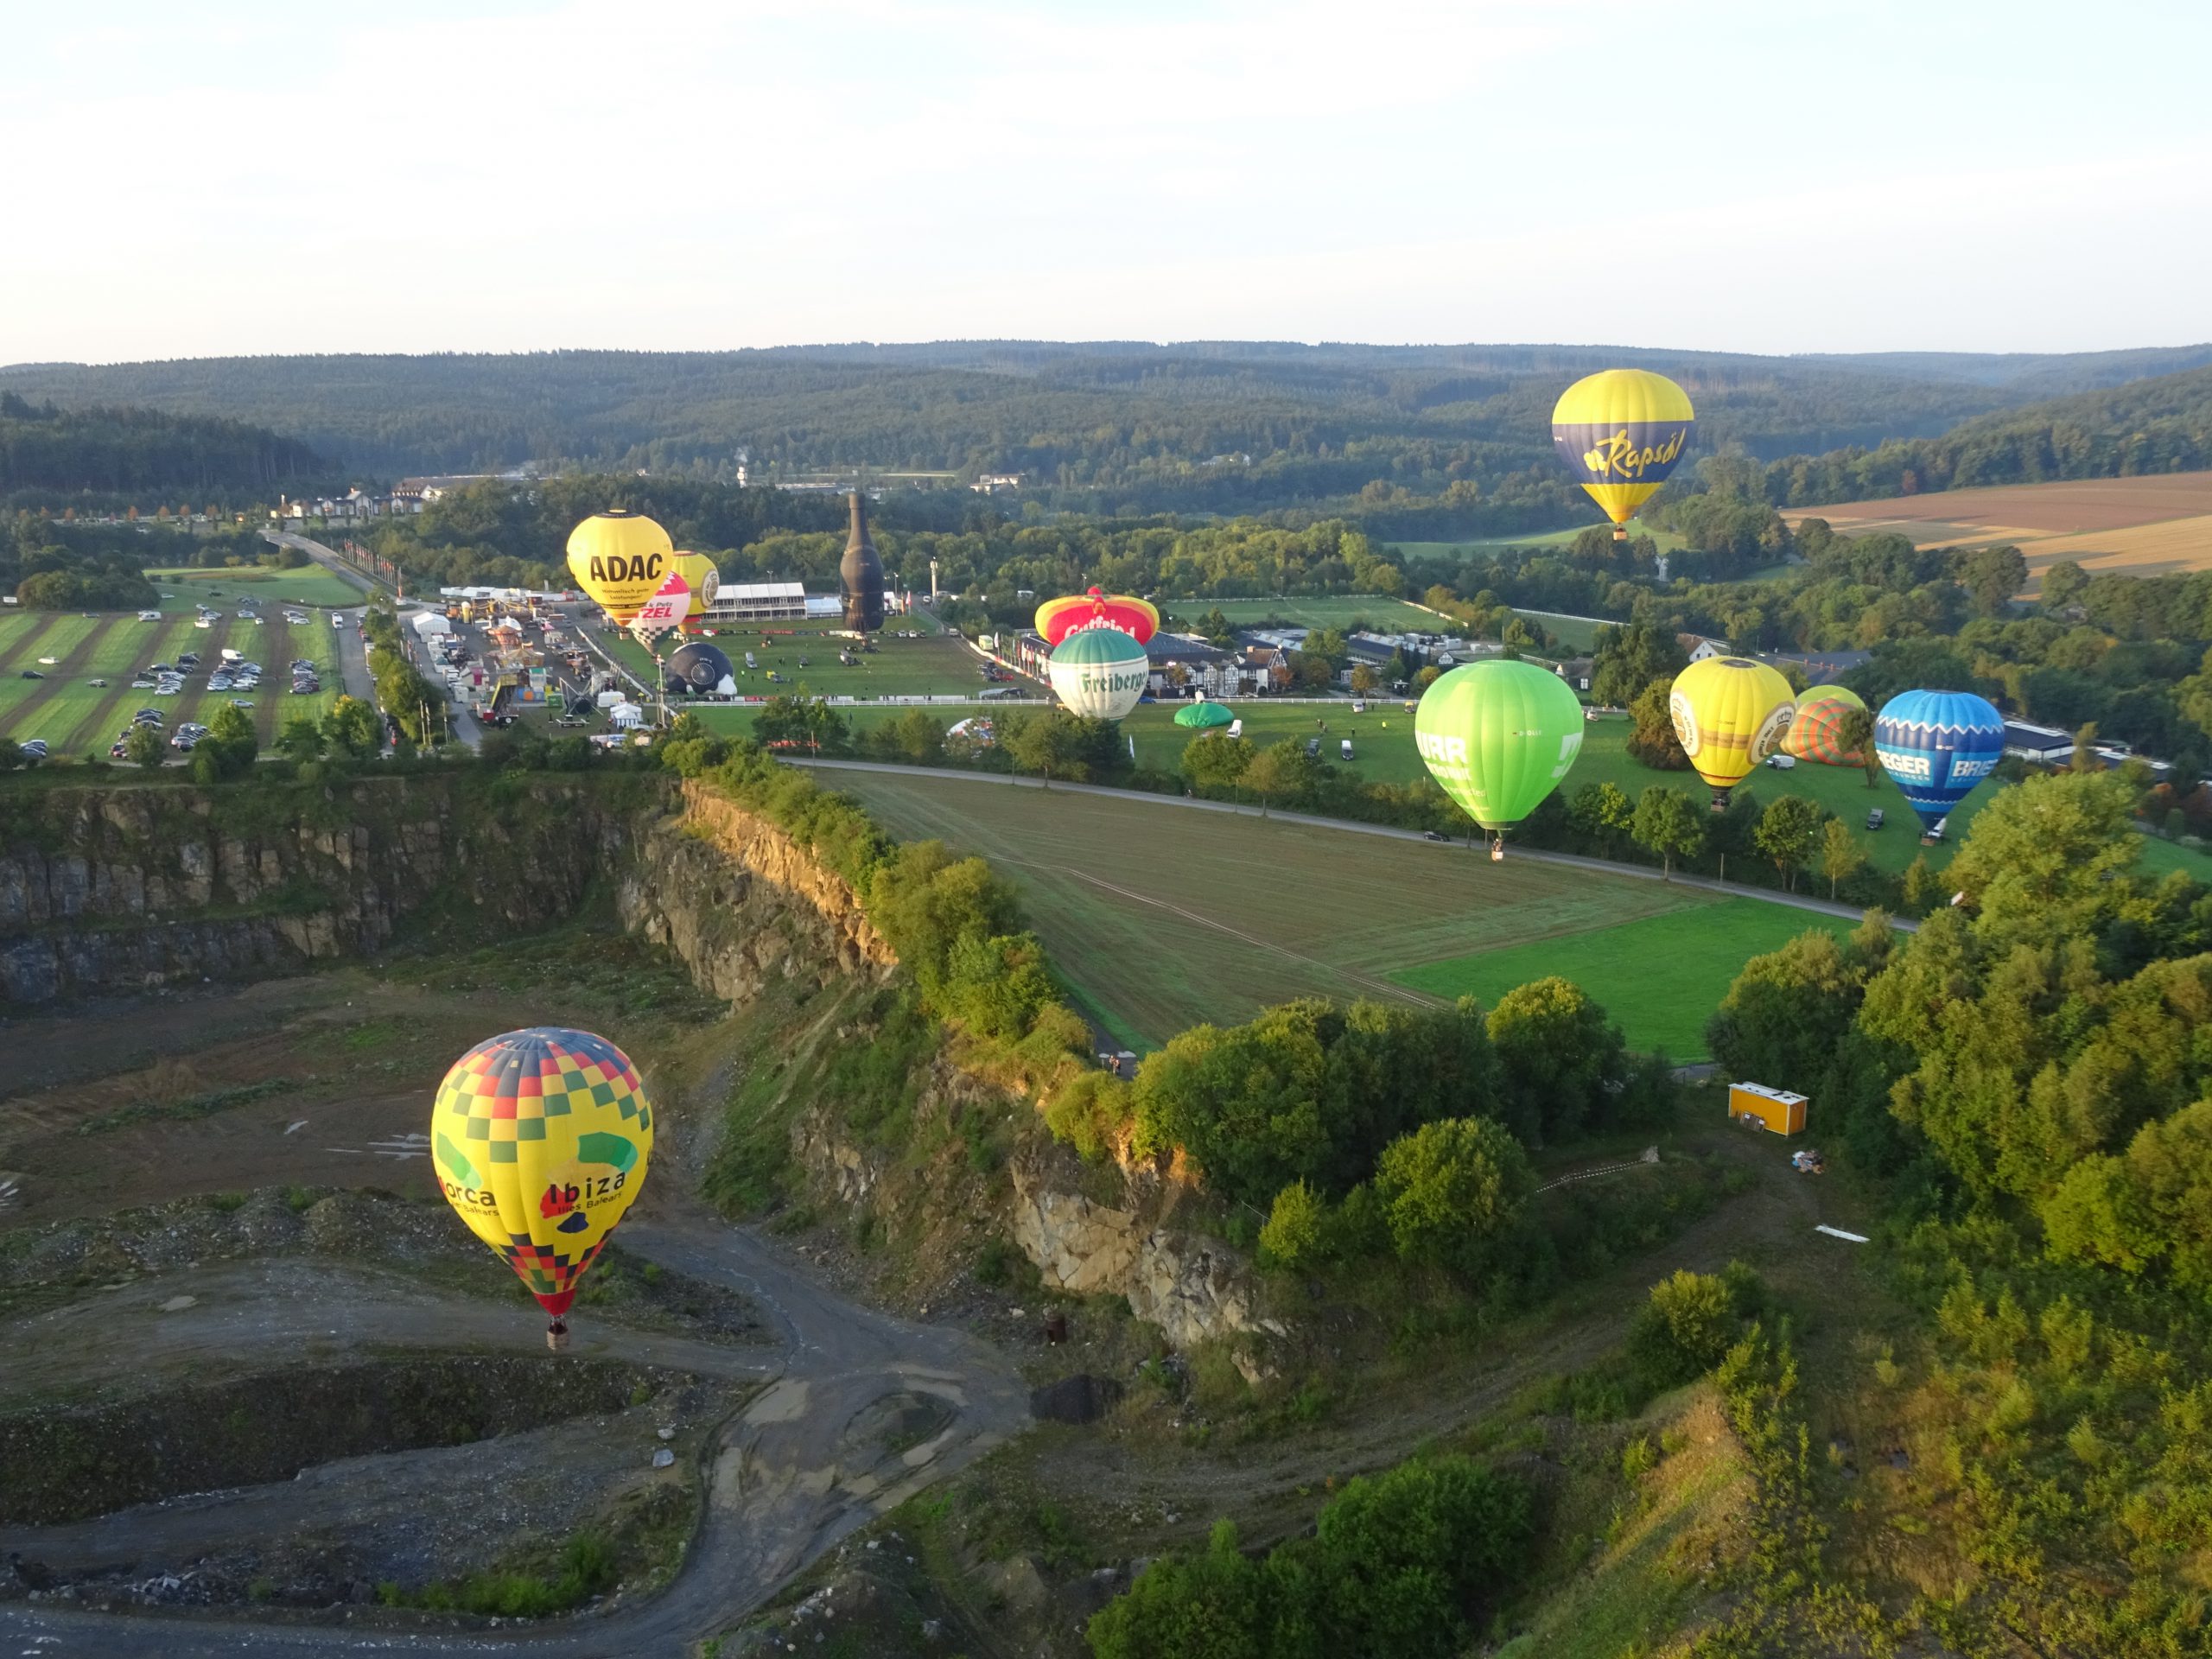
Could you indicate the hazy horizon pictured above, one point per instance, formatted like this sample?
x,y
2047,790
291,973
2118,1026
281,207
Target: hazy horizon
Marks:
x,y
507,175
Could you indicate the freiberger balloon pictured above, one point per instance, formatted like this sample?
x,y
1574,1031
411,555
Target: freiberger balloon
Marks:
x,y
1058,618
1100,672
619,558
1730,713
1499,737
541,1139
1938,746
1622,432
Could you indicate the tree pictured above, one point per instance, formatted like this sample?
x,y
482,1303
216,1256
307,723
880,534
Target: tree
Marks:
x,y
1787,1009
1990,575
1855,734
142,747
1215,761
1294,1233
301,740
1453,1190
1841,857
1430,675
11,754
1362,679
2085,757
1282,771
1653,740
1920,887
351,727
1788,832
1558,1060
791,722
228,749
1054,743
1684,1329
1628,660
1668,822
1211,1607
1602,812
2045,859
2063,583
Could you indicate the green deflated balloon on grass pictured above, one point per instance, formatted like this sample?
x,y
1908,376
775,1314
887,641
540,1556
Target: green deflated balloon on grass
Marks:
x,y
1498,736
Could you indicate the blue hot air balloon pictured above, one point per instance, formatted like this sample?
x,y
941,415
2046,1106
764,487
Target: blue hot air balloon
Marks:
x,y
1938,746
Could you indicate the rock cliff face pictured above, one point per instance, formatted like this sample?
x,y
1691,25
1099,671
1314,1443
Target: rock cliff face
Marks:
x,y
125,889
1193,1288
742,904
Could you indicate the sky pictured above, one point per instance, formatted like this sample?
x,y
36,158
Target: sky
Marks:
x,y
244,176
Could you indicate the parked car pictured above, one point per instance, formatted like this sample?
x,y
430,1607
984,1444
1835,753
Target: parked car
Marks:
x,y
241,703
32,748
33,673
1874,818
1430,834
102,684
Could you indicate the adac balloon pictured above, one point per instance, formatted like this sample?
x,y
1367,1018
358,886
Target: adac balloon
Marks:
x,y
1498,736
1058,618
619,558
541,1139
1936,745
1622,432
1100,672
1816,731
1730,713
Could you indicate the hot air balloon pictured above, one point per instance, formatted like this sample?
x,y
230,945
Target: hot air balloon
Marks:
x,y
1817,732
705,578
1730,713
1203,715
1842,694
1621,433
541,1139
697,666
860,574
1938,746
1498,736
1100,672
619,558
1058,618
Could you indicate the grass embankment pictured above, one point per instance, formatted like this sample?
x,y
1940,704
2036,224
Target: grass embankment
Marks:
x,y
183,588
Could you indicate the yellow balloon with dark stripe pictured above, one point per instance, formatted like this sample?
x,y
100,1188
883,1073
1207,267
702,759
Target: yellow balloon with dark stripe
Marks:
x,y
1622,432
1730,713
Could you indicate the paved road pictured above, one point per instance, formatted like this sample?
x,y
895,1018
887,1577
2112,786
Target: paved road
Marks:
x,y
1633,871
800,1467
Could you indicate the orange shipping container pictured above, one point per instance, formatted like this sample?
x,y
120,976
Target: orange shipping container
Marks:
x,y
1775,1108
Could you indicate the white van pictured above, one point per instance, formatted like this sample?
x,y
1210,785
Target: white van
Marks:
x,y
1344,749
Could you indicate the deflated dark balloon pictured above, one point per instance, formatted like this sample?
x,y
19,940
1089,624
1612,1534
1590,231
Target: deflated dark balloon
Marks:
x,y
699,665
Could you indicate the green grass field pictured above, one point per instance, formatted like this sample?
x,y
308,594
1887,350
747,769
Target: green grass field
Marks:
x,y
1576,632
1664,1009
1327,610
934,664
1667,541
309,584
1163,916
76,717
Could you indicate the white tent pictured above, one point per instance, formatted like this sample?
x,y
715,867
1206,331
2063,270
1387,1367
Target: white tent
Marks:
x,y
626,716
430,622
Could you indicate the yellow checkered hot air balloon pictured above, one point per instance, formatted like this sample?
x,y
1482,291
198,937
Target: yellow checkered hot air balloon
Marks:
x,y
541,1139
1730,713
1621,433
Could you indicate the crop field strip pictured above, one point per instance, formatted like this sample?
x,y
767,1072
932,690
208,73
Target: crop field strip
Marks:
x,y
64,682
1165,916
2154,525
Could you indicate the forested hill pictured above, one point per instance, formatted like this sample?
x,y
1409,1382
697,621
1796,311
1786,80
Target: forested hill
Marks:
x,y
49,451
2161,425
1103,426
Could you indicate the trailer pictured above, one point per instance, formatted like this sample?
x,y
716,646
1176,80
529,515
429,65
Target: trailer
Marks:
x,y
1775,1110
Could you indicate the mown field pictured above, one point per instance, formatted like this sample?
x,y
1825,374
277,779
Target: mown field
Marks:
x,y
309,584
936,665
2143,526
1656,975
76,717
1163,916
1325,611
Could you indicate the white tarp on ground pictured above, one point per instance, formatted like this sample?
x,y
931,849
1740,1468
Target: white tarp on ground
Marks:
x,y
430,622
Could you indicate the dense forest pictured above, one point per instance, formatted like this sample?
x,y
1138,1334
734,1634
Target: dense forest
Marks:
x,y
2162,425
51,456
1415,441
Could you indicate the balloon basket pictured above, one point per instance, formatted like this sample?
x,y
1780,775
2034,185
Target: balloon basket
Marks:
x,y
557,1336
1497,849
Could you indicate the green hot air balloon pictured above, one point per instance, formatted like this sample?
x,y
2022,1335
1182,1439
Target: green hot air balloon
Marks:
x,y
1498,736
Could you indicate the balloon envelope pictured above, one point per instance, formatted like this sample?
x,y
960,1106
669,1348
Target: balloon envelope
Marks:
x,y
1058,618
541,1139
1938,746
1203,714
1817,732
619,558
1100,672
1498,736
1842,694
1622,432
705,577
1730,713
699,665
